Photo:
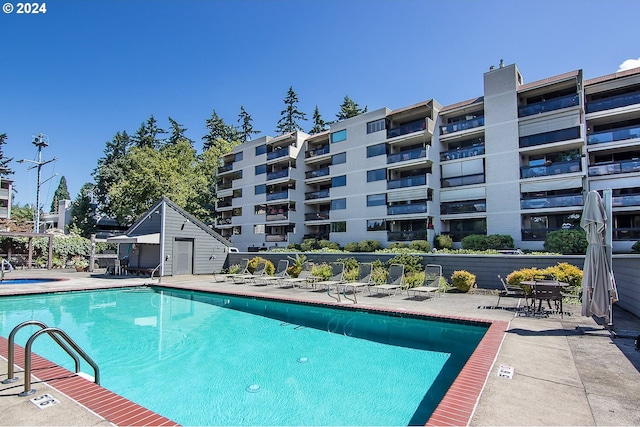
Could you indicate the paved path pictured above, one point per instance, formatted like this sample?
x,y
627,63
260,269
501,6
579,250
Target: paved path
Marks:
x,y
561,376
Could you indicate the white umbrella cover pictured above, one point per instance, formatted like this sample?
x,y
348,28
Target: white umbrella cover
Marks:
x,y
598,284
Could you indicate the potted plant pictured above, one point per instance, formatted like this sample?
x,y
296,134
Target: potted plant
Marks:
x,y
79,262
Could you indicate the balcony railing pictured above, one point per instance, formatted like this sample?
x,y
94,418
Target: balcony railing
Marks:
x,y
407,155
552,169
614,102
225,168
222,204
223,221
275,237
452,208
416,126
412,208
277,196
317,152
279,216
462,180
317,173
552,202
278,174
316,216
276,154
406,236
626,200
411,181
460,126
461,153
613,168
550,137
620,134
550,105
317,236
626,234
225,185
316,194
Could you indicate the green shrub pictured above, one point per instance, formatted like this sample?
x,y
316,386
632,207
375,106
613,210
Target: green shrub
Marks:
x,y
363,246
636,247
351,268
443,241
253,264
379,272
321,270
309,245
412,263
327,244
294,247
420,246
476,242
463,280
398,245
352,247
295,264
499,241
566,241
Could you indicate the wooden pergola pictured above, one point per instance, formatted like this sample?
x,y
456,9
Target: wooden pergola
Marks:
x,y
31,236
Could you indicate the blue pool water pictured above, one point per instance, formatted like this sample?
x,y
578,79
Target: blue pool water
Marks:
x,y
211,359
25,281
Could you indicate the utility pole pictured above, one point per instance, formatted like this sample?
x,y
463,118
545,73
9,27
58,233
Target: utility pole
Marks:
x,y
39,141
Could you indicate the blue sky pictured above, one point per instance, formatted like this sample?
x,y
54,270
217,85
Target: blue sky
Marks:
x,y
85,70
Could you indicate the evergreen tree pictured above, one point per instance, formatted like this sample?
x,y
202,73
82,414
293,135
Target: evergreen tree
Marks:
x,y
218,129
290,115
61,193
4,162
110,169
83,211
246,126
349,109
319,125
147,134
177,133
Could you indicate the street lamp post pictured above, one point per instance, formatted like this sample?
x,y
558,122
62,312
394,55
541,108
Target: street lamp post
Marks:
x,y
39,141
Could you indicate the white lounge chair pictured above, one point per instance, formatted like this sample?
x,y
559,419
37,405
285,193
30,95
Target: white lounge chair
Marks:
x,y
364,280
336,278
261,269
431,284
278,276
303,278
395,281
242,271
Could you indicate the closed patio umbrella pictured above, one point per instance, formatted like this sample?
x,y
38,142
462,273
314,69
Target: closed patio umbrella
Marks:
x,y
598,284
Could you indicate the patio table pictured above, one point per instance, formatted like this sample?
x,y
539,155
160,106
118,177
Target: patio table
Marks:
x,y
545,290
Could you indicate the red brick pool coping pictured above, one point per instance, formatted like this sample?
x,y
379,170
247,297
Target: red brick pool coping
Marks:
x,y
455,409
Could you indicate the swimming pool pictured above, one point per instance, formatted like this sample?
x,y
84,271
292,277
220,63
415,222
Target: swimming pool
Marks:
x,y
372,369
27,281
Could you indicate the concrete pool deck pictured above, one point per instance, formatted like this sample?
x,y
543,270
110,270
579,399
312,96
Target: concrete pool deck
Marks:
x,y
562,376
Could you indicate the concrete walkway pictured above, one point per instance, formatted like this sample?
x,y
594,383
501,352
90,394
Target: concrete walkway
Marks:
x,y
562,375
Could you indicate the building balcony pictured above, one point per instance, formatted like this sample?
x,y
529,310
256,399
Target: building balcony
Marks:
x,y
278,195
411,181
317,236
225,168
463,125
613,168
278,174
317,173
407,128
404,156
550,137
225,185
459,181
550,105
411,208
461,153
317,152
312,195
463,207
317,216
625,201
406,236
550,170
275,238
617,101
278,216
621,233
620,134
223,221
278,153
552,202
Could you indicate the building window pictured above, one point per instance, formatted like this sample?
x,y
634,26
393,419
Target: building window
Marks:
x,y
336,159
339,181
258,229
237,230
236,212
237,157
260,209
376,200
261,189
237,193
341,135
261,149
377,150
376,126
260,169
376,175
376,225
339,227
338,204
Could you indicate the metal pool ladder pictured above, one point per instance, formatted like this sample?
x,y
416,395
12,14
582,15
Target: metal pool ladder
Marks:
x,y
60,337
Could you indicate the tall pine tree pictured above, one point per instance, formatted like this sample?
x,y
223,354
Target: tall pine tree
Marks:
x,y
83,211
349,109
5,170
246,126
110,169
147,134
61,193
319,125
177,133
218,129
290,115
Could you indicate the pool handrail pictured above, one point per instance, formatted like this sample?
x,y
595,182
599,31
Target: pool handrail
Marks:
x,y
27,357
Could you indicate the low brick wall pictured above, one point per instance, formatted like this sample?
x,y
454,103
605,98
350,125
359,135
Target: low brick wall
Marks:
x,y
487,267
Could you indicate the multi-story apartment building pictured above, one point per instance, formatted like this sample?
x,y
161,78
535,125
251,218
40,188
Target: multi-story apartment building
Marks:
x,y
517,160
5,198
